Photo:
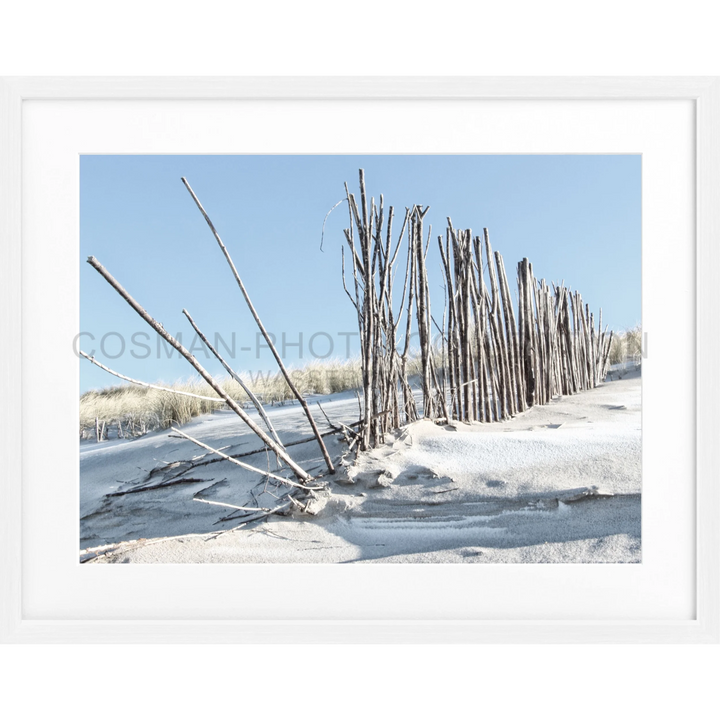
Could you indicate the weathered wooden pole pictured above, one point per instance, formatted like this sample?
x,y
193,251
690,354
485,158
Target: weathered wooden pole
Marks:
x,y
511,334
251,395
423,314
266,336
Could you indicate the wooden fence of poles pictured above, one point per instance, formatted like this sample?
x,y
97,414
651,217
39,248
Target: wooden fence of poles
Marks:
x,y
495,360
388,397
500,363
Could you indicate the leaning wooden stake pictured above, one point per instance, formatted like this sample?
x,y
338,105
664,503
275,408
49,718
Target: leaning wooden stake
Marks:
x,y
165,335
236,378
264,332
511,335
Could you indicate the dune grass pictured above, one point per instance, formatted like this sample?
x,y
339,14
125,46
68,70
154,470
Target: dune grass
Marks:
x,y
626,346
132,410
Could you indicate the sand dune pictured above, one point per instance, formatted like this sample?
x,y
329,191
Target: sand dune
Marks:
x,y
559,483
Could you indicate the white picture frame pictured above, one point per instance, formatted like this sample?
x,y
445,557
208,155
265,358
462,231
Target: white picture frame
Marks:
x,y
16,626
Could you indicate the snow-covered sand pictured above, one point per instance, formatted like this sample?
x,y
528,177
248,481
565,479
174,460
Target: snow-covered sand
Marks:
x,y
559,483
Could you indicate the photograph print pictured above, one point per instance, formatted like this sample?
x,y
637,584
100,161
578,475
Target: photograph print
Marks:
x,y
360,359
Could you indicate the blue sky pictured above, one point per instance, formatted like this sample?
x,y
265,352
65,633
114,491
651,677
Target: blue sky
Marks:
x,y
576,217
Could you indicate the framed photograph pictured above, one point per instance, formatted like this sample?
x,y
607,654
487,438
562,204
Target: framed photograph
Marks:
x,y
56,125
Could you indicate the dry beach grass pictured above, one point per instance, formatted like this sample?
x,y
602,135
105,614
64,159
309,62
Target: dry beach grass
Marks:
x,y
137,410
140,410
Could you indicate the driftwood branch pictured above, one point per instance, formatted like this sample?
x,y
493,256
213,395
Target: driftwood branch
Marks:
x,y
347,292
237,378
322,234
235,507
239,463
340,427
148,385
